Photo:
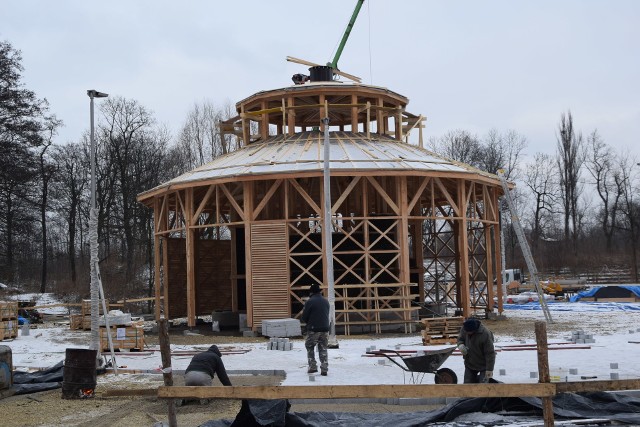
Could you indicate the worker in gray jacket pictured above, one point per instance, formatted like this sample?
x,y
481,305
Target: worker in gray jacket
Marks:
x,y
475,342
316,315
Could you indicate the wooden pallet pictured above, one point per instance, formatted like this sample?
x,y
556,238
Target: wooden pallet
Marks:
x,y
439,340
123,338
8,310
8,329
441,330
85,307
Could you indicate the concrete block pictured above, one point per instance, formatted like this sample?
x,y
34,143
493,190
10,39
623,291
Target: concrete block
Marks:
x,y
382,362
589,341
580,341
312,378
533,375
503,372
631,331
613,365
573,371
281,328
249,333
615,376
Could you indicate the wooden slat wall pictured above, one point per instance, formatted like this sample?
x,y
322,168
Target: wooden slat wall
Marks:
x,y
213,276
177,278
269,272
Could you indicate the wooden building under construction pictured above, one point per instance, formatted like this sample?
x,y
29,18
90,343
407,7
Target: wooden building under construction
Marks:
x,y
410,229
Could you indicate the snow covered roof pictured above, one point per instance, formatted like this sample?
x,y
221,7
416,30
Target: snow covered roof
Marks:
x,y
304,153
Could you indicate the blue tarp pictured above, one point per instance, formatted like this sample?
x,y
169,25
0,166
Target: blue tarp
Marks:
x,y
591,292
579,306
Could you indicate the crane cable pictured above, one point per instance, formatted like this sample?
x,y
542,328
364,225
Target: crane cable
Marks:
x,y
370,63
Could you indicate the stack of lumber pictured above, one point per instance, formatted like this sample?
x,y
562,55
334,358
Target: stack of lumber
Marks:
x,y
82,321
8,319
441,330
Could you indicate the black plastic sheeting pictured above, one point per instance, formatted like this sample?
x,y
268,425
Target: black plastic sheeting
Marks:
x,y
618,407
32,382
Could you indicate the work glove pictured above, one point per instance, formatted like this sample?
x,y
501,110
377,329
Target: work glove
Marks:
x,y
463,349
487,376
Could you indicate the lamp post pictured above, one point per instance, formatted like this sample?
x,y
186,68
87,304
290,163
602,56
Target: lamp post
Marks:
x,y
328,241
93,234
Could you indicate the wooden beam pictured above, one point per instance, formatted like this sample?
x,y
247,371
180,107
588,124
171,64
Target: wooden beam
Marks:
x,y
591,386
190,261
335,71
165,352
115,392
248,220
359,391
267,197
203,203
543,370
232,201
384,194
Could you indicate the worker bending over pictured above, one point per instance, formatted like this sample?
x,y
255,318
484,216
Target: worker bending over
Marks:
x,y
475,342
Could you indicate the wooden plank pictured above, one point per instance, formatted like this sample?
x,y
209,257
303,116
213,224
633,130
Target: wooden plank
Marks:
x,y
360,391
591,386
543,369
145,392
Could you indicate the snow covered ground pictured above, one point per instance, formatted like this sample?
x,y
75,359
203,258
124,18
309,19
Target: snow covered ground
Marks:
x,y
615,328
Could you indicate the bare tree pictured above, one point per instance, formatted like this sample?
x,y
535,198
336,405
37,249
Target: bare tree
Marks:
x,y
502,151
46,171
627,178
69,190
599,163
570,160
541,178
127,126
458,145
200,139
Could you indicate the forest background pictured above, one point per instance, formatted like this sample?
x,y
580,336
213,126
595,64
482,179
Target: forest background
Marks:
x,y
579,203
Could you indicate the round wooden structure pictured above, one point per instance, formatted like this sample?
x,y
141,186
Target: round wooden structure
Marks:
x,y
411,231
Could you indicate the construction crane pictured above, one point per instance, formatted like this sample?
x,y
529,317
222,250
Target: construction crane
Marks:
x,y
524,246
333,65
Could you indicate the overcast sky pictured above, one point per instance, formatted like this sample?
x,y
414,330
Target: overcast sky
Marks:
x,y
471,65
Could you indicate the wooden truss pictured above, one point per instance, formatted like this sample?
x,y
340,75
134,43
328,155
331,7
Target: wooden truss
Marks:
x,y
398,242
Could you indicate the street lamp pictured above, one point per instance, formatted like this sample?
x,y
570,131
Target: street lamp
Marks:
x,y
93,234
328,241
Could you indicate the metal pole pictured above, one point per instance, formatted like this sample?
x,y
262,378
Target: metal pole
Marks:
x,y
93,242
328,241
93,236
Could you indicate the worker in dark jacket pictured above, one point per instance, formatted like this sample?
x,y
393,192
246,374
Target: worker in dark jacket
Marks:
x,y
475,342
316,316
204,366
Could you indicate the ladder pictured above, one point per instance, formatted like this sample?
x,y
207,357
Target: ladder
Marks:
x,y
524,246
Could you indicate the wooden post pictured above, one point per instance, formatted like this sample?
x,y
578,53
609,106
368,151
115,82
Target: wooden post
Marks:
x,y
165,352
463,249
543,370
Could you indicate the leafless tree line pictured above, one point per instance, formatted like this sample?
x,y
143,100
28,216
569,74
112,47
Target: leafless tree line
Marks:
x,y
579,204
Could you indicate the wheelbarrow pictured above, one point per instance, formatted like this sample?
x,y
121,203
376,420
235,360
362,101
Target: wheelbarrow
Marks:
x,y
424,362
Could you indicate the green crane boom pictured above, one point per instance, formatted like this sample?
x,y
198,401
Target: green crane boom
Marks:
x,y
334,64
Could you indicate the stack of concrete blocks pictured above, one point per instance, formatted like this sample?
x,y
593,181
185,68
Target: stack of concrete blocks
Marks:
x,y
614,375
580,337
282,344
281,328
